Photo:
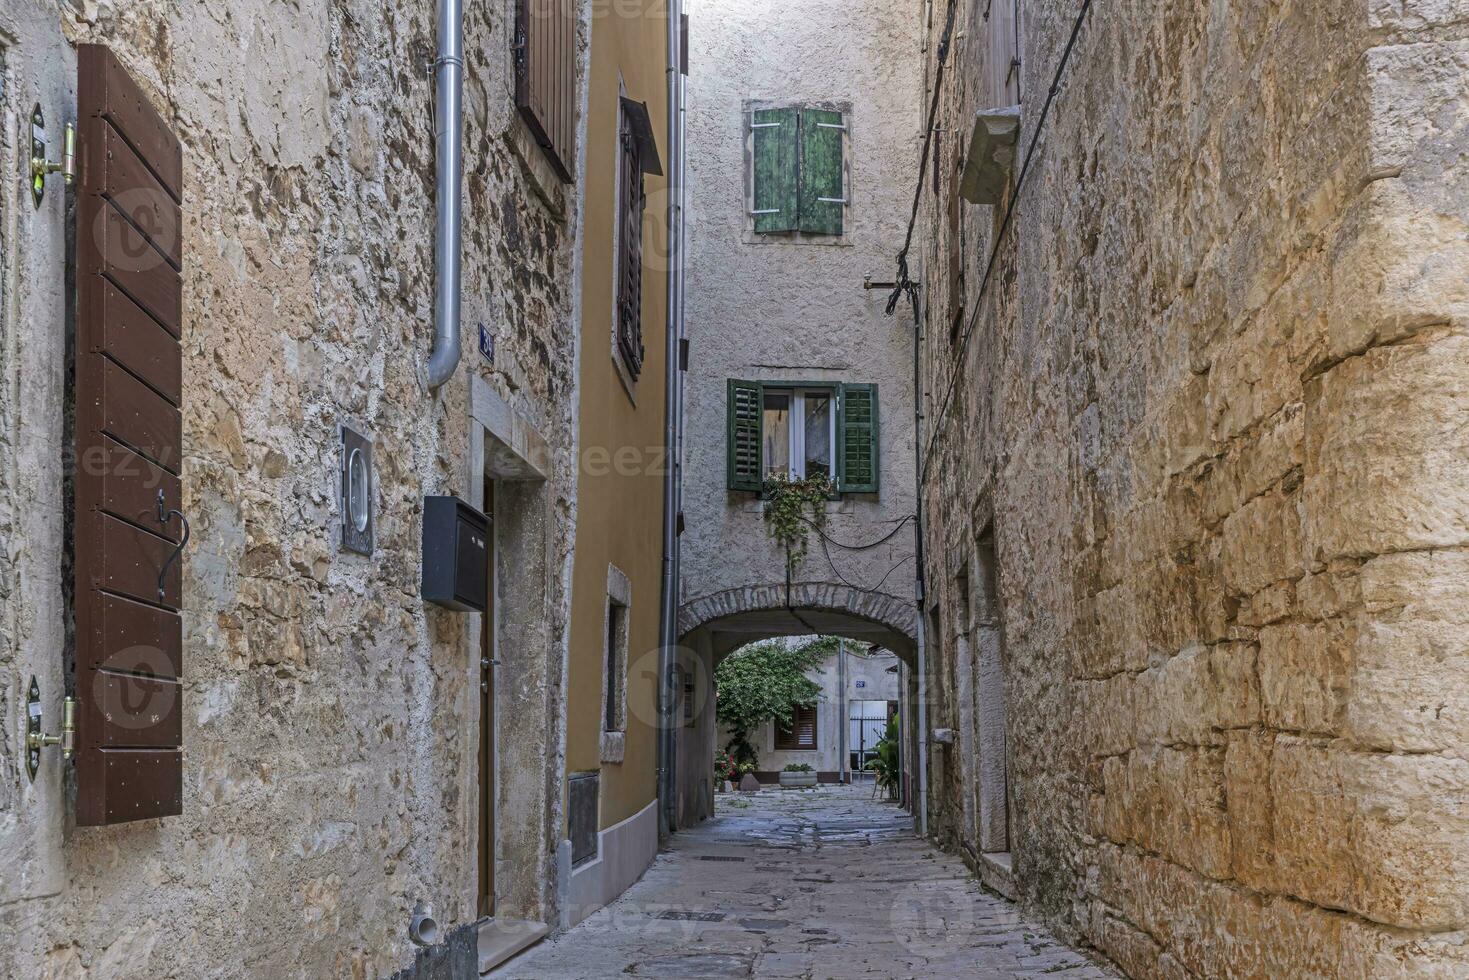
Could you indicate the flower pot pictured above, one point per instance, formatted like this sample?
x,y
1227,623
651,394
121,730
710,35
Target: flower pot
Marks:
x,y
797,780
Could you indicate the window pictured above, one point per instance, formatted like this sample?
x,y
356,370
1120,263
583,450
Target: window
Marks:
x,y
798,173
615,670
616,631
1002,52
637,156
798,433
545,78
802,431
800,734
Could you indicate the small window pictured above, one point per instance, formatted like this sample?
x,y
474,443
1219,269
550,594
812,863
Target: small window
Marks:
x,y
799,433
637,156
800,734
798,170
803,431
616,667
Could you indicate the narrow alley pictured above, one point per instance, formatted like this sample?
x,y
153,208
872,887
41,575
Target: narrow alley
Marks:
x,y
821,883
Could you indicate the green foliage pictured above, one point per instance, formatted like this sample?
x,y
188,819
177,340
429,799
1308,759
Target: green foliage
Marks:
x,y
886,766
724,766
792,507
763,682
798,767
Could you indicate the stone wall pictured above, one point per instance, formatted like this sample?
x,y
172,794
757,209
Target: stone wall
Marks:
x,y
330,715
773,308
1209,411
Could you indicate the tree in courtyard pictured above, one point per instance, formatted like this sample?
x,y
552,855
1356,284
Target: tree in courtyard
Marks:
x,y
765,682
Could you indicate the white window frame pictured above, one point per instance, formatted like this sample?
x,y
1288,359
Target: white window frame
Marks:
x,y
619,604
797,425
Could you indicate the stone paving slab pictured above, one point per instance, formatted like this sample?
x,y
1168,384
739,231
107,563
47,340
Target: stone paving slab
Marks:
x,y
822,884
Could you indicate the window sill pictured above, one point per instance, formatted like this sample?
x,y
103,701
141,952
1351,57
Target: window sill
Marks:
x,y
841,505
614,747
629,383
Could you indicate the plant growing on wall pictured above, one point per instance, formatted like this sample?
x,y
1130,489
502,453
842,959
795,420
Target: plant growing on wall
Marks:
x,y
765,682
885,767
793,508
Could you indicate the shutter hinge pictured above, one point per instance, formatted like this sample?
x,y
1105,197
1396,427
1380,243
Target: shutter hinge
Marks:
x,y
832,200
767,211
41,168
774,125
841,126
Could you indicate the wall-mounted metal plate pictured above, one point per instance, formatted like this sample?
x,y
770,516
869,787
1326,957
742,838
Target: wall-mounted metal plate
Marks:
x,y
38,152
357,492
33,729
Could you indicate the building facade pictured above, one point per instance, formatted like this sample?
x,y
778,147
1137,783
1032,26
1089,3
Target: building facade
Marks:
x,y
837,737
800,148
339,767
1194,547
612,825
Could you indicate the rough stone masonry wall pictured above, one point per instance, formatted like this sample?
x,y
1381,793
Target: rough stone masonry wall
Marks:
x,y
1216,407
330,717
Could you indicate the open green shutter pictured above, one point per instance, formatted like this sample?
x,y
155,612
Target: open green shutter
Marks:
x,y
745,415
859,439
823,187
773,134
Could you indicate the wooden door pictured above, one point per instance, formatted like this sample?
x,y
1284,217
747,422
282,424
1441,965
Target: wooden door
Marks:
x,y
128,386
487,726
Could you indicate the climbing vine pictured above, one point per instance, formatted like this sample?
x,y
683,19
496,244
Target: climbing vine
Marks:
x,y
793,508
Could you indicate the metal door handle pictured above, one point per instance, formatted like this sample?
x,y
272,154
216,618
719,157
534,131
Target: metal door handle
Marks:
x,y
164,514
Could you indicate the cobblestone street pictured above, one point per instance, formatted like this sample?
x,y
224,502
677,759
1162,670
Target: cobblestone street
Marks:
x,y
817,884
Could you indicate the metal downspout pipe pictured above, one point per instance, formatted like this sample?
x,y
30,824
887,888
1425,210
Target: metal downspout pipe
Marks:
x,y
673,404
448,156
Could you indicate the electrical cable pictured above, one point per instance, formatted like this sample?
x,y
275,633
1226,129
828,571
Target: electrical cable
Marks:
x,y
900,521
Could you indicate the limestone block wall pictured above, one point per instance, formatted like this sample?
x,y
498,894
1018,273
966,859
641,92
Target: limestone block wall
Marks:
x,y
1212,411
330,716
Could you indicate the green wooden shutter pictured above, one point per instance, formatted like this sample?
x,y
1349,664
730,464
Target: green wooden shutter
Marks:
x,y
823,198
745,416
774,200
858,441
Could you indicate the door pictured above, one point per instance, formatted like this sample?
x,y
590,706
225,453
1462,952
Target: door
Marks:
x,y
487,725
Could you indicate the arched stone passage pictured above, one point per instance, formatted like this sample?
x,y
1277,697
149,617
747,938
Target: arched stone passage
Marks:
x,y
756,612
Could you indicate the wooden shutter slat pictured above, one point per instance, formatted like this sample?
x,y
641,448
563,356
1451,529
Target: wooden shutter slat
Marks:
x,y
131,561
135,191
111,94
129,447
129,261
745,417
139,712
823,182
130,487
139,417
134,784
136,638
859,439
136,341
774,147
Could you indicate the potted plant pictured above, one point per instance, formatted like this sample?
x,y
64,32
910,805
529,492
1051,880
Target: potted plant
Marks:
x,y
798,775
724,770
886,767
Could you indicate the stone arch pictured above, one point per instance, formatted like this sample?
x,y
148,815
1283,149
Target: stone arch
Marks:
x,y
756,611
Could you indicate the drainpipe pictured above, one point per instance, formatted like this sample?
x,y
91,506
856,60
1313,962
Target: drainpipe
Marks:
x,y
922,761
448,137
844,717
672,435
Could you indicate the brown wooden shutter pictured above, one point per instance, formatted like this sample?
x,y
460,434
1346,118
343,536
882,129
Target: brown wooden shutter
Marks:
x,y
801,733
545,76
129,447
631,203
